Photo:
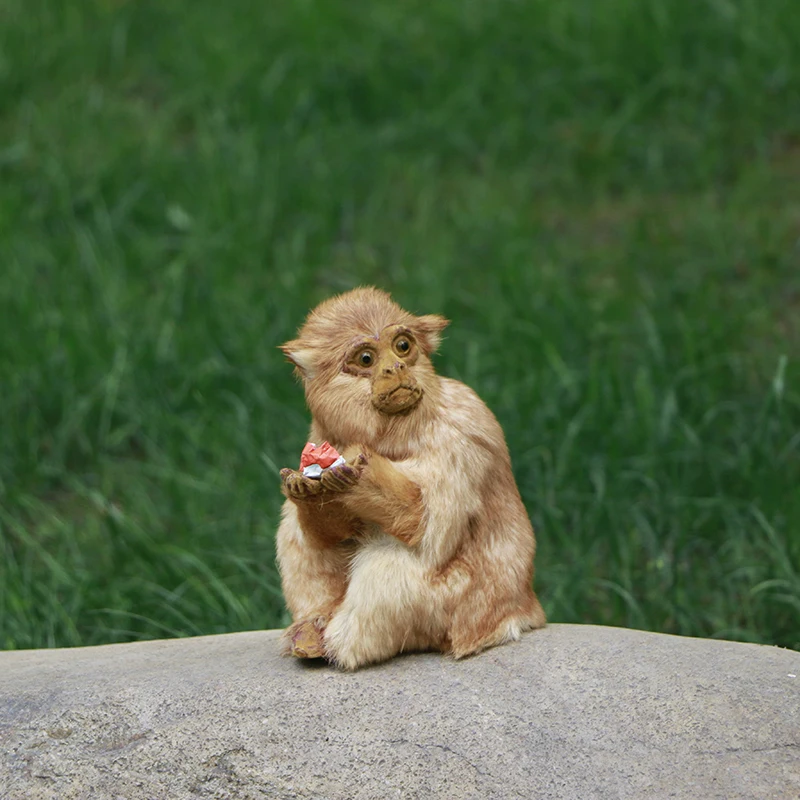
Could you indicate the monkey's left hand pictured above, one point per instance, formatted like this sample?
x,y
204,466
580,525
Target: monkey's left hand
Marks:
x,y
345,476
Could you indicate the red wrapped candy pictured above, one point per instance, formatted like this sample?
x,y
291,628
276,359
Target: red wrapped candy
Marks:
x,y
324,455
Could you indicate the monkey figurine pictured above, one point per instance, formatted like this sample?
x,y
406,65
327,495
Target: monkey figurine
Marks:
x,y
420,540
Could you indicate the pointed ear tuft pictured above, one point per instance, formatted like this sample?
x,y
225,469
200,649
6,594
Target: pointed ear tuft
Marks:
x,y
429,330
302,358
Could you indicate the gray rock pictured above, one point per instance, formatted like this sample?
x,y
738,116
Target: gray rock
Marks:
x,y
572,711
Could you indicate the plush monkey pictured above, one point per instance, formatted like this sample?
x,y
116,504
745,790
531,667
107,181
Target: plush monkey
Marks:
x,y
420,540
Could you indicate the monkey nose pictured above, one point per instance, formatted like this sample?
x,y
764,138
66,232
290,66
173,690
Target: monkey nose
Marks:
x,y
398,366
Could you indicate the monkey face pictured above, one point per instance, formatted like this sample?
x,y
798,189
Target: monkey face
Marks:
x,y
365,366
387,361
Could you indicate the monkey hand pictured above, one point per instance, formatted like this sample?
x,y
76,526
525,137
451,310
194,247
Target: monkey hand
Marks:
x,y
344,477
297,487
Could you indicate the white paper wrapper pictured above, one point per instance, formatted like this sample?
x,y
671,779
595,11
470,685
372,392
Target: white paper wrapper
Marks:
x,y
315,470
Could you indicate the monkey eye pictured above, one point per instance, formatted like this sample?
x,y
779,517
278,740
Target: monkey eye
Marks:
x,y
402,346
366,359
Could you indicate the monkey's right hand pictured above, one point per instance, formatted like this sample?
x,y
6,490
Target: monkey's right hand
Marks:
x,y
344,477
297,487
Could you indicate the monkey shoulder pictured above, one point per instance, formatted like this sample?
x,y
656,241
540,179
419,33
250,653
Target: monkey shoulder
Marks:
x,y
469,417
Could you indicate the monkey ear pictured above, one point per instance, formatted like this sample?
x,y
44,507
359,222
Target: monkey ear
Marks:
x,y
429,330
302,357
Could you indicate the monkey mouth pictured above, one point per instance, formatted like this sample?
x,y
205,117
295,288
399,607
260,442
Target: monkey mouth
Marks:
x,y
401,398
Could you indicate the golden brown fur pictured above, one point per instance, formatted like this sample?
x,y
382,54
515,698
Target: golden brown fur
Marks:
x,y
421,540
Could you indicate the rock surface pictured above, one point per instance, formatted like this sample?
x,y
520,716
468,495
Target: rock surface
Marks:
x,y
572,711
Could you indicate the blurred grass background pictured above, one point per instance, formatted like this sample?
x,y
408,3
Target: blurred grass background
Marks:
x,y
604,198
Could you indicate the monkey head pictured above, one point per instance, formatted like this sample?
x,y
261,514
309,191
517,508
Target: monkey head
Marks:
x,y
365,365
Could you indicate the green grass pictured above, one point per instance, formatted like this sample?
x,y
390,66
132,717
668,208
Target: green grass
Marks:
x,y
604,198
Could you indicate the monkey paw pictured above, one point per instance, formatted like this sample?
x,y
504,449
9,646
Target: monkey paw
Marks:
x,y
304,638
297,487
345,476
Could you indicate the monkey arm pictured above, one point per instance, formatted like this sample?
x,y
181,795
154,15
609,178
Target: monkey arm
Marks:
x,y
322,517
386,497
458,472
325,521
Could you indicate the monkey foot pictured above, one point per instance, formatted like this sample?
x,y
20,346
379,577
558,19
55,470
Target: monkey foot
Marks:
x,y
305,638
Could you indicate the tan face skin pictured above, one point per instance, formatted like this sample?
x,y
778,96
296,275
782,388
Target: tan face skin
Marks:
x,y
386,361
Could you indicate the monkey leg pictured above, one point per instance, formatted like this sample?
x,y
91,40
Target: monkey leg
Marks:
x,y
482,620
313,560
388,608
